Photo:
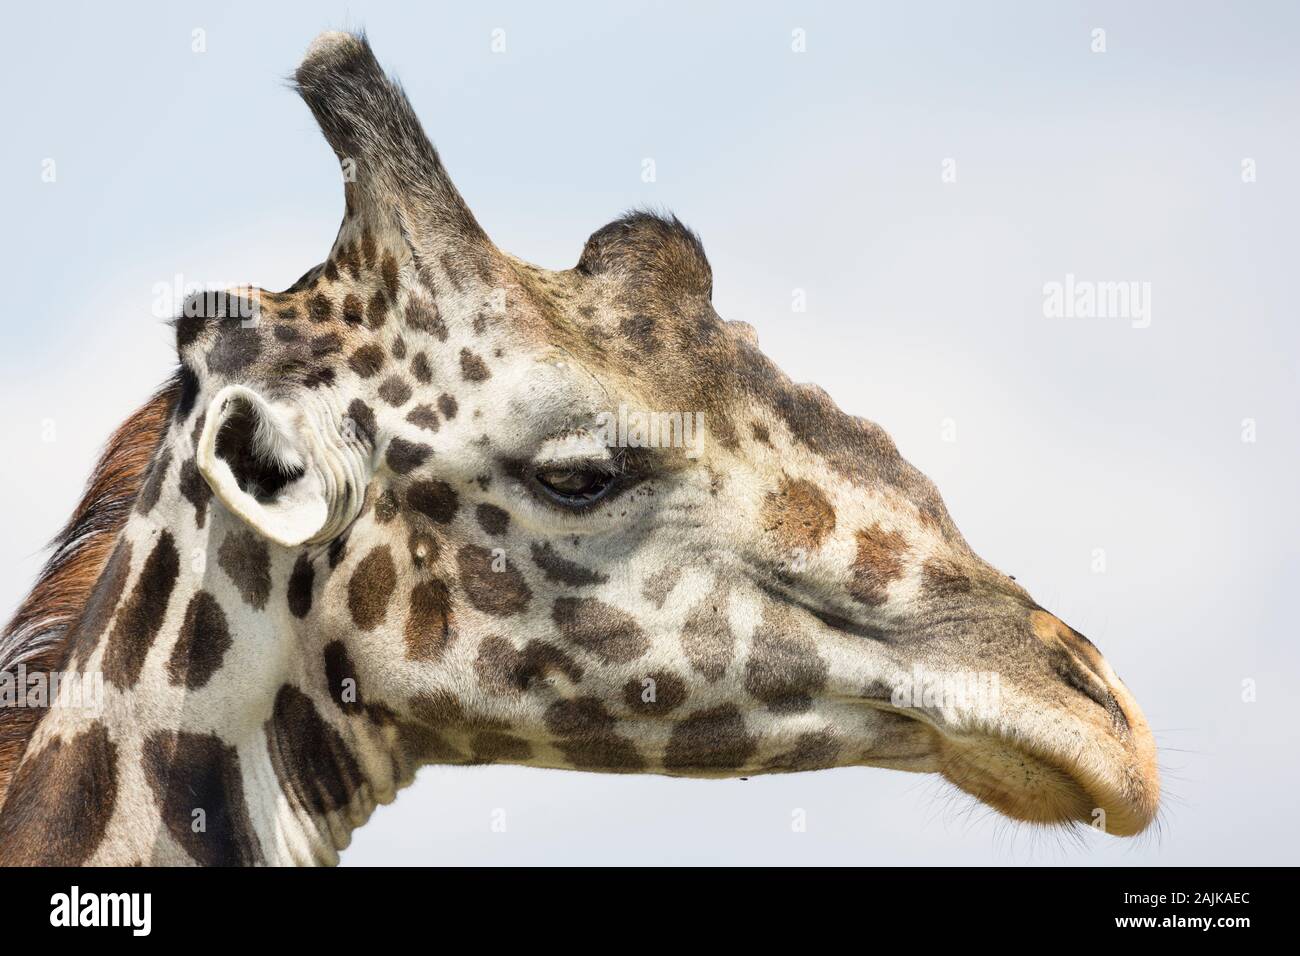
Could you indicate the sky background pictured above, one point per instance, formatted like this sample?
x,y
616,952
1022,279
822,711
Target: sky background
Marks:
x,y
818,171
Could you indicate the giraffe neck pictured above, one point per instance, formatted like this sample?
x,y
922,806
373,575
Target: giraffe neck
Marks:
x,y
225,733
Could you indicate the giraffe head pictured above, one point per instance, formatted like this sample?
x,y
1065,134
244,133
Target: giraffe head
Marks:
x,y
573,519
461,509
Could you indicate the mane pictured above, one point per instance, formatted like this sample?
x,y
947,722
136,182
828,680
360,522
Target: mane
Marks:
x,y
37,635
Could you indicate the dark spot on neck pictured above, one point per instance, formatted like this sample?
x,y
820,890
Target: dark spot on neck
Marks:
x,y
196,778
300,585
314,766
140,617
60,802
202,644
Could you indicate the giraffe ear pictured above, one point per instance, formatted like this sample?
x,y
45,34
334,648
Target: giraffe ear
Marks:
x,y
262,460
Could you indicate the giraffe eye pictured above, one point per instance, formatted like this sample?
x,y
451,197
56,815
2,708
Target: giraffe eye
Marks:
x,y
575,486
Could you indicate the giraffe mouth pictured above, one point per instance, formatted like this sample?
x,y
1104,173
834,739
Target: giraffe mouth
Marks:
x,y
1037,788
1051,769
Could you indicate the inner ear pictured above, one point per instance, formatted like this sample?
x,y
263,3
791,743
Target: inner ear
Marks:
x,y
261,462
257,457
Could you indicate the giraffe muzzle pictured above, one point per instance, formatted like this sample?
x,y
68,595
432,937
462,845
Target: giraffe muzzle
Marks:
x,y
1070,747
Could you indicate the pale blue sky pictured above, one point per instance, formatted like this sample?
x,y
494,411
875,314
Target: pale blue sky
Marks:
x,y
817,171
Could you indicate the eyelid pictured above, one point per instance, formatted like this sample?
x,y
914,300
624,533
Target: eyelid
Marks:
x,y
603,466
576,449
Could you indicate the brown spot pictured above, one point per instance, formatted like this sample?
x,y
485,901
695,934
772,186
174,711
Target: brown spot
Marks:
x,y
362,418
707,639
814,750
561,570
504,670
424,417
190,772
784,669
420,368
943,577
447,405
153,482
367,360
660,584
430,627
386,506
655,694
404,456
419,744
196,490
140,618
245,559
798,516
879,561
492,519
326,345
423,316
388,271
610,634
494,747
710,741
472,367
353,310
202,644
500,593
436,500
377,310
566,718
395,391
319,307
313,764
61,799
760,434
639,330
371,588
440,709
398,348
589,740
452,270
341,678
349,260
300,583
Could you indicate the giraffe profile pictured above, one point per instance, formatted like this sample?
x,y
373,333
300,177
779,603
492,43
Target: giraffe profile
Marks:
x,y
433,504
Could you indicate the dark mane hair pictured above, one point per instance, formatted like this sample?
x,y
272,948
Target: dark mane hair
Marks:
x,y
37,635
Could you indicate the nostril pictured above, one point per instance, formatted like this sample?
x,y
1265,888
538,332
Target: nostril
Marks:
x,y
1082,678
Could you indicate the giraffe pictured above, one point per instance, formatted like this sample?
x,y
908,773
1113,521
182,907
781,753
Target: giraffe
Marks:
x,y
434,504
